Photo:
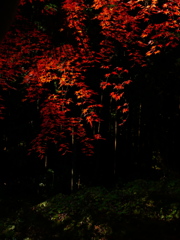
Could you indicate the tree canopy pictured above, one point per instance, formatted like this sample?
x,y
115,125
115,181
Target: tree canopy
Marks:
x,y
76,58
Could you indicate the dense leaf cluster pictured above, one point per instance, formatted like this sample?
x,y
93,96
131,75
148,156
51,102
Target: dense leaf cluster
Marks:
x,y
79,67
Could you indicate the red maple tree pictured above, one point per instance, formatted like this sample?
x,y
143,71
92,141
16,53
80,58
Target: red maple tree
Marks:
x,y
106,41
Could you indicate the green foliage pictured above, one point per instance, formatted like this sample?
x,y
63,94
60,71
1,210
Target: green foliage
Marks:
x,y
138,208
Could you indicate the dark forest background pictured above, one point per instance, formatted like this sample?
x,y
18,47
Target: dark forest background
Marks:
x,y
147,145
138,161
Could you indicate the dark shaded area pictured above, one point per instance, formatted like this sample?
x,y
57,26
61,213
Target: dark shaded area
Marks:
x,y
146,147
139,210
7,13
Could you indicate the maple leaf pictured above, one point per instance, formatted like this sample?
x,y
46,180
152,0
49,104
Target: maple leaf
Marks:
x,y
98,136
69,78
116,96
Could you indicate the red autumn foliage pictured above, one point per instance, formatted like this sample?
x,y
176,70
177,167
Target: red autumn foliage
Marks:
x,y
97,61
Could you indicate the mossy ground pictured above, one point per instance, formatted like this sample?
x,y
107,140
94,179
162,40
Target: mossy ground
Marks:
x,y
139,210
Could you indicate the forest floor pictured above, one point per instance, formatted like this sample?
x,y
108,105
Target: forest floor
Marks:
x,y
138,210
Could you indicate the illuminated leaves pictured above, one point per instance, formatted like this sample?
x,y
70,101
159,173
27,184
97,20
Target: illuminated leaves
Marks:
x,y
116,96
105,84
71,80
